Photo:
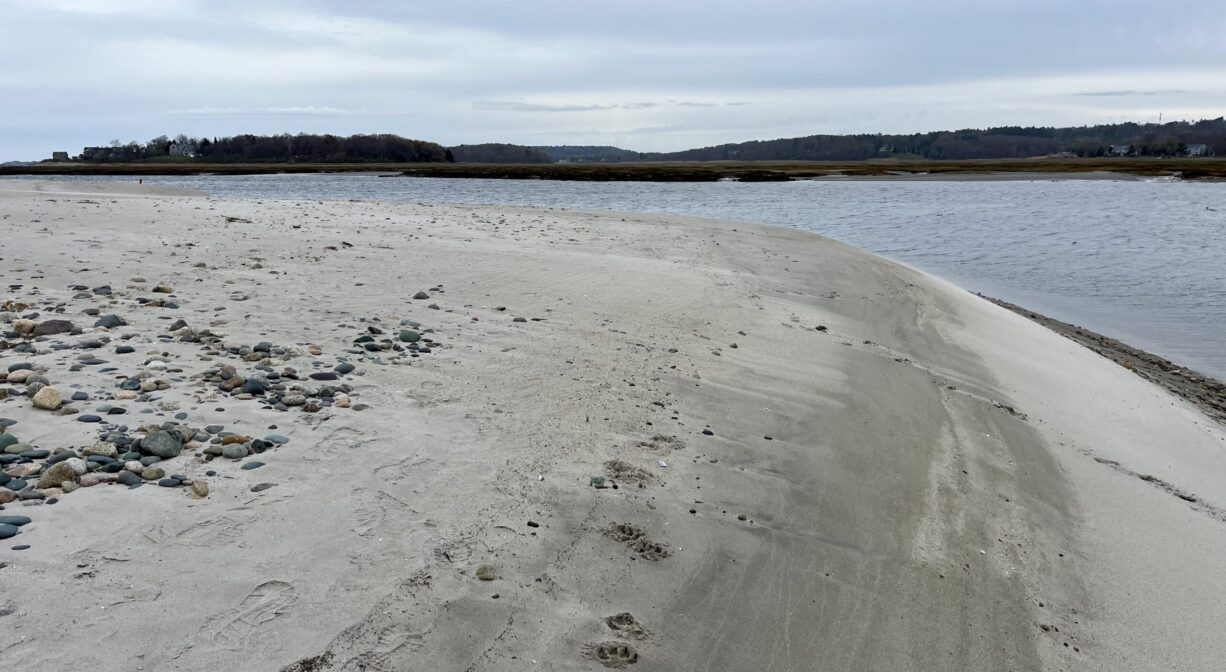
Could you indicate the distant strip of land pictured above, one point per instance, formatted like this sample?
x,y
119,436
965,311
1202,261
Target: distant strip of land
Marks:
x,y
697,171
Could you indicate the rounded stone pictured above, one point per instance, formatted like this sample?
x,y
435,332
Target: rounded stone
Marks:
x,y
48,399
60,472
162,444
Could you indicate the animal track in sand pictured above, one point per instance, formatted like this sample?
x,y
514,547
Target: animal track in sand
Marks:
x,y
626,625
250,618
612,654
635,539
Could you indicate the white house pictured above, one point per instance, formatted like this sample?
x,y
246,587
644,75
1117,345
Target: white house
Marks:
x,y
1120,150
181,149
1199,150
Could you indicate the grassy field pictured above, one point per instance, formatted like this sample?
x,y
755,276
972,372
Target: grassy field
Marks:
x,y
1201,168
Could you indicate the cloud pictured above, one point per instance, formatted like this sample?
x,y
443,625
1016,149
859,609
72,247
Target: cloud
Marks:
x,y
646,74
509,106
1132,92
307,111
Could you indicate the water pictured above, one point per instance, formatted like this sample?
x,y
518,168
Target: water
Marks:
x,y
1143,261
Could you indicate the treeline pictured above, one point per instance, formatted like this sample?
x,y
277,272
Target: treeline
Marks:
x,y
1008,142
284,148
1176,138
495,152
504,153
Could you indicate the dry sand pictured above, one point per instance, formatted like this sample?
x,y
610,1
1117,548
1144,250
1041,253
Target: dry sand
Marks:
x,y
927,482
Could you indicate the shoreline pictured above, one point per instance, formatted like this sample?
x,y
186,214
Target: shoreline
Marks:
x,y
1205,392
1206,169
628,440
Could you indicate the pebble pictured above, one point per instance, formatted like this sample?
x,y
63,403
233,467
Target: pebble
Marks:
x,y
153,473
7,531
256,464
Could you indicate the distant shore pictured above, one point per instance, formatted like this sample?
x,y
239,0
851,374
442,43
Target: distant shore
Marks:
x,y
706,171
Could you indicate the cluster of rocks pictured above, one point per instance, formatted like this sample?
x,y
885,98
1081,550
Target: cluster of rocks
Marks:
x,y
410,340
120,457
283,390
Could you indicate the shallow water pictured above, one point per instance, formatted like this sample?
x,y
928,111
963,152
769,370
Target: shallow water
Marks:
x,y
1144,261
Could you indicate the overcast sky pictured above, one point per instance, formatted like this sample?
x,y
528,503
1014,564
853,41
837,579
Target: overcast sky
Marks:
x,y
641,74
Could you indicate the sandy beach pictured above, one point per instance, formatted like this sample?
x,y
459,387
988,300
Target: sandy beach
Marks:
x,y
563,440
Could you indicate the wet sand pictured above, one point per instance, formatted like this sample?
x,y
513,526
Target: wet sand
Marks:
x,y
670,443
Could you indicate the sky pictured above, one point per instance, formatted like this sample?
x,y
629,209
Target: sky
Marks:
x,y
650,75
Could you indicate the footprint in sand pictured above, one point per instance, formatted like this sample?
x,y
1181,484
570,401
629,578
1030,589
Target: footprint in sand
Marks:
x,y
636,539
612,654
373,509
625,625
251,618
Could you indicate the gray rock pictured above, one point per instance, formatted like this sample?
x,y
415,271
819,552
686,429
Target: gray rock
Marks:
x,y
162,443
110,322
255,385
53,327
234,451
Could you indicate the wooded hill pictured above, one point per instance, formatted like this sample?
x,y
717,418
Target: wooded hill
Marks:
x,y
1176,138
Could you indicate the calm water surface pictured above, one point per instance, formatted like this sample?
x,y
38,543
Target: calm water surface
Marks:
x,y
1144,261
